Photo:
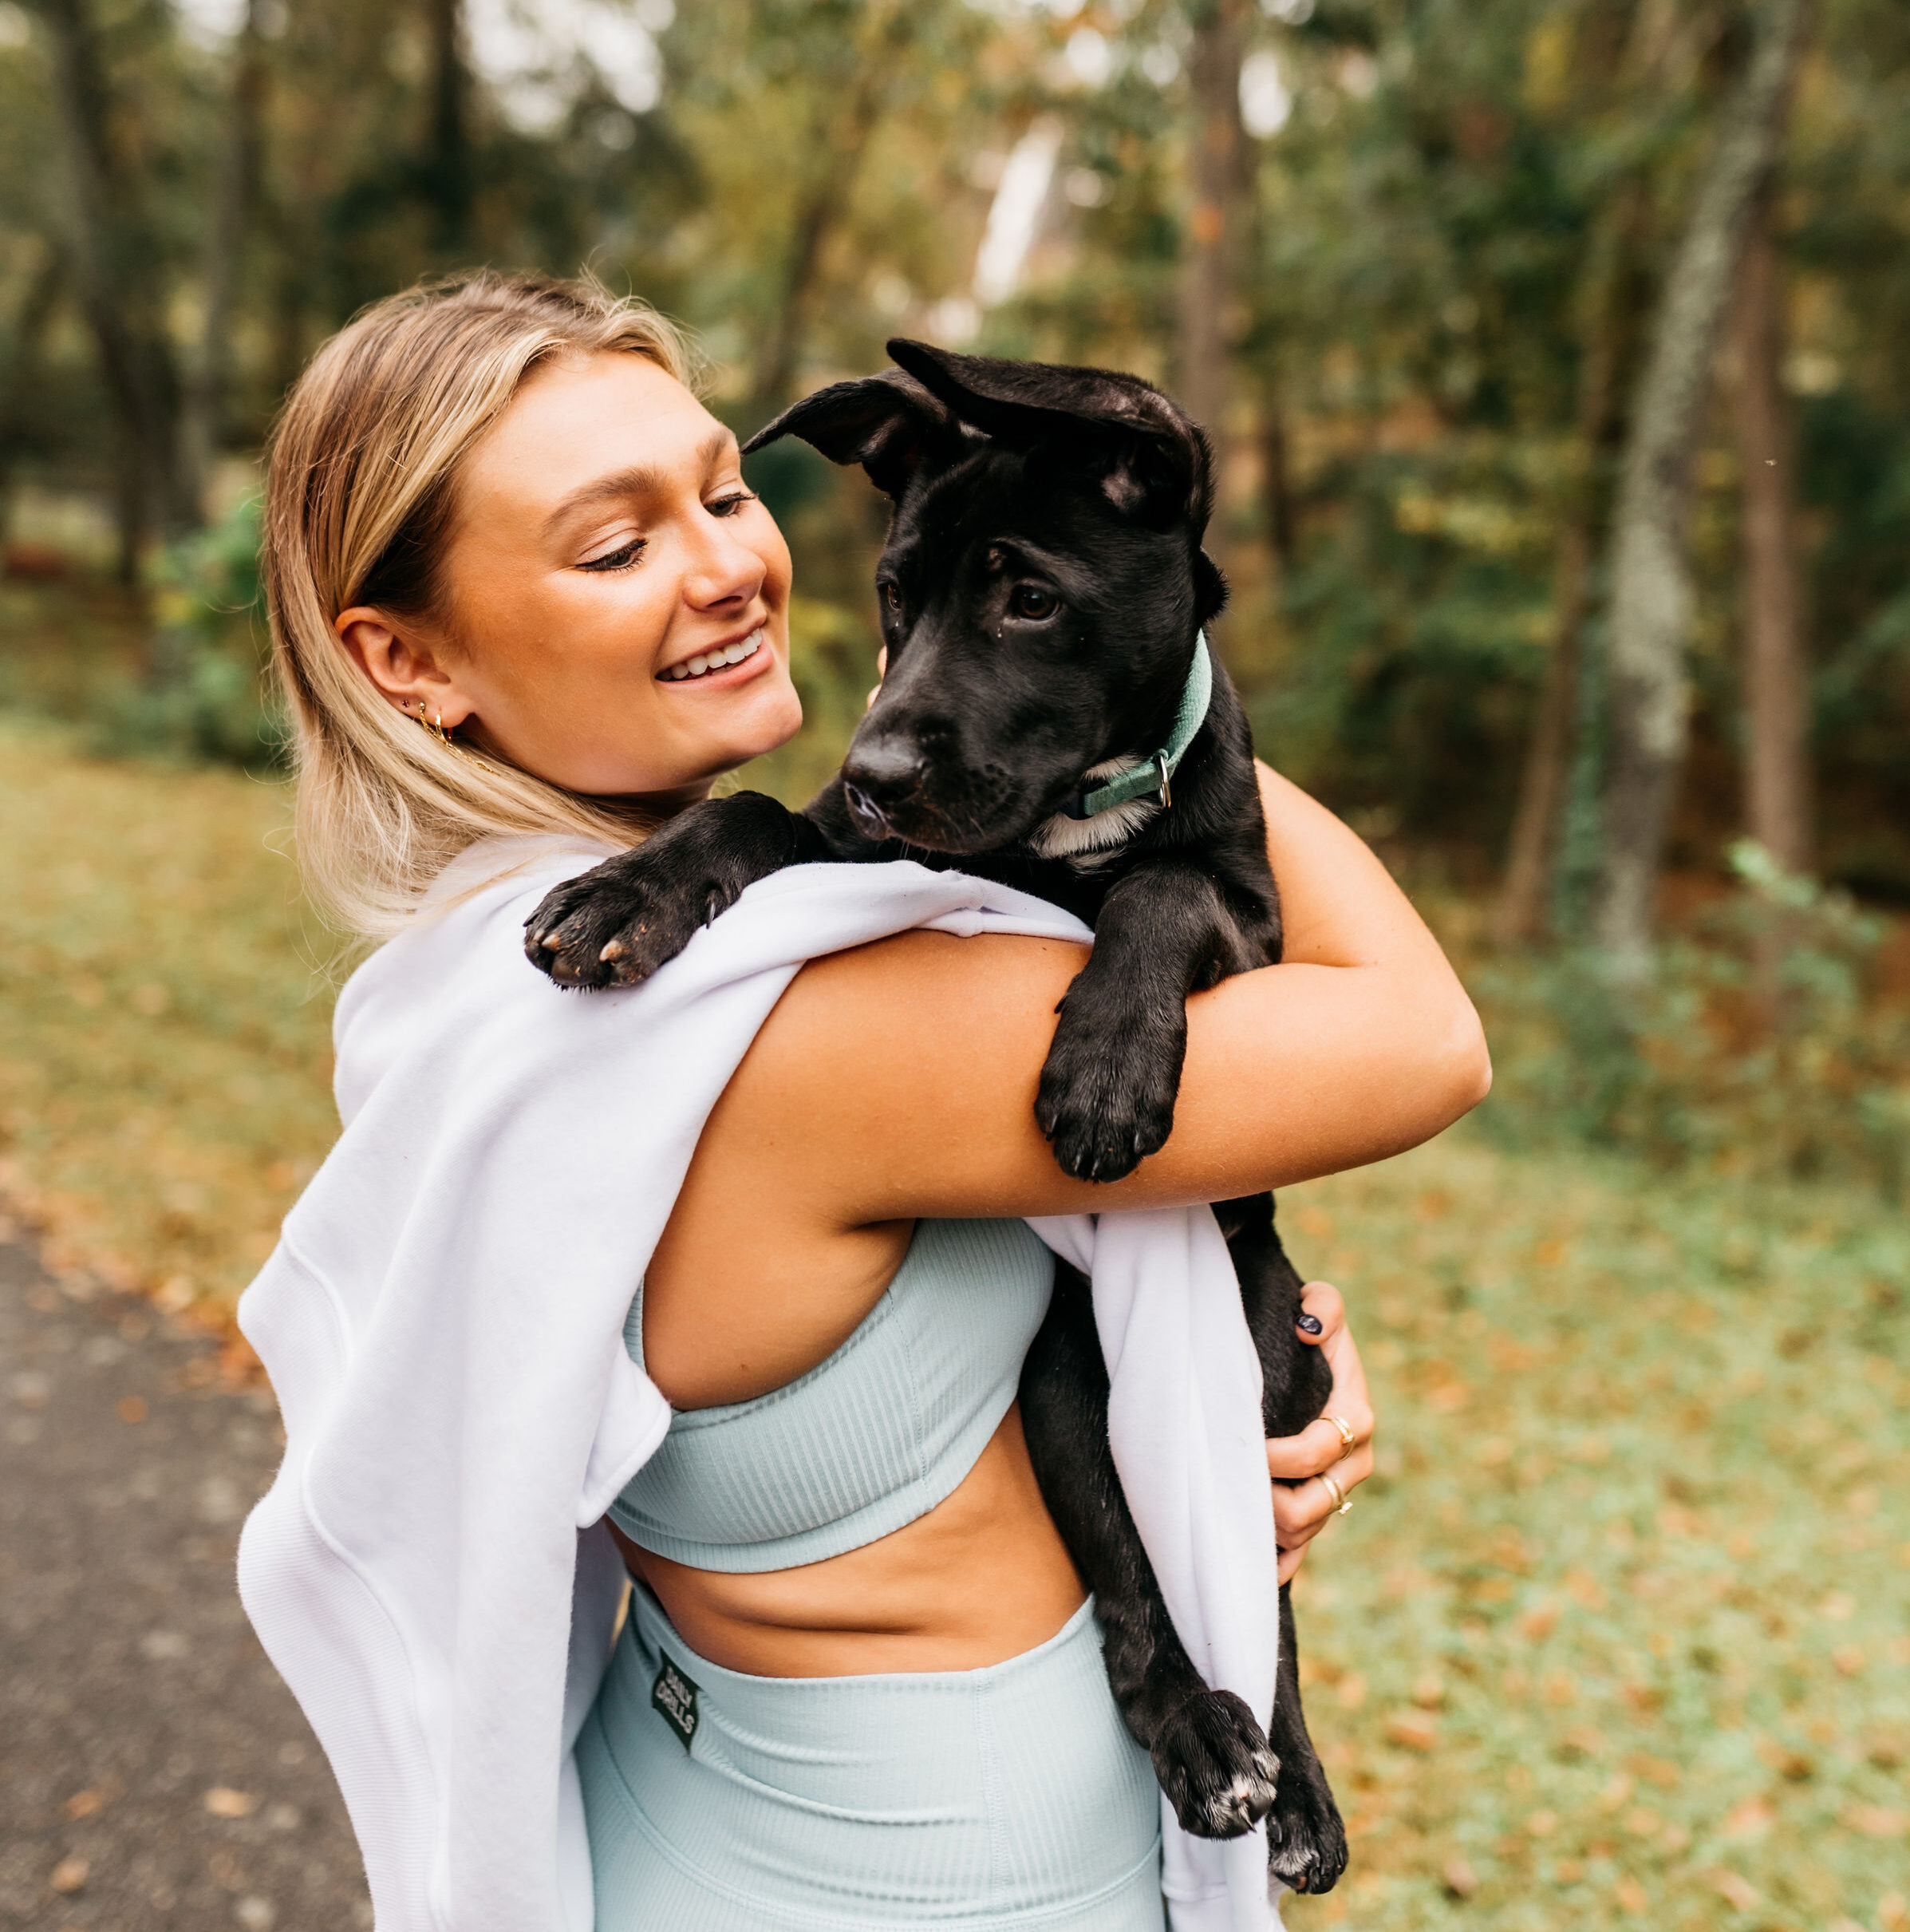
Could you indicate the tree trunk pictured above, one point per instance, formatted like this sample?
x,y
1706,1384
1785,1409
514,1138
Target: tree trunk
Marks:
x,y
1777,685
781,349
1217,183
842,135
206,415
448,179
1527,895
119,287
1276,481
1520,913
1652,592
37,307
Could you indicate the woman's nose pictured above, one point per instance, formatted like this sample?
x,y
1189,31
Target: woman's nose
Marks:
x,y
722,570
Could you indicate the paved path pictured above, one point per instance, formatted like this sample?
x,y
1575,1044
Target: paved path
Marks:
x,y
155,1773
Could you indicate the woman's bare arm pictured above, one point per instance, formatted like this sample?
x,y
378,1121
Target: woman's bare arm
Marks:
x,y
899,1080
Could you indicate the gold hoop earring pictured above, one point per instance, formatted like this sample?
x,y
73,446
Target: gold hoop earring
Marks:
x,y
436,729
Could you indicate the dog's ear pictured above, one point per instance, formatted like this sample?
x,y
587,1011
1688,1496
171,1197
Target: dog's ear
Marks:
x,y
1210,591
1153,459
889,423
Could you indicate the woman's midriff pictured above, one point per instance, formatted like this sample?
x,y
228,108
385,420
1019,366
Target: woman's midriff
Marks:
x,y
982,1577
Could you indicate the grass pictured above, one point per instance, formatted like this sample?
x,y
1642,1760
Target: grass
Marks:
x,y
165,1030
1620,1637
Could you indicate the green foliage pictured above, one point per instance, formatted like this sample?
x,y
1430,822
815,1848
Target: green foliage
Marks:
x,y
1758,1049
832,659
204,694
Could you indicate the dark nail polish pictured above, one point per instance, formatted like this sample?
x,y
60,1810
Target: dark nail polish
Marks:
x,y
1307,1325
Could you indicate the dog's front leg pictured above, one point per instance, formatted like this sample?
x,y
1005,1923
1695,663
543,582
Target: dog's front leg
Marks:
x,y
1210,1753
617,923
1306,1839
1107,1088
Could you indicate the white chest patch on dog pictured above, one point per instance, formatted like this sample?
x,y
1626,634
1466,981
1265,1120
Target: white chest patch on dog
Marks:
x,y
1089,842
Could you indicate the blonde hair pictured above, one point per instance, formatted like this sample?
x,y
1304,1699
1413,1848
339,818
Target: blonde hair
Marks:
x,y
360,496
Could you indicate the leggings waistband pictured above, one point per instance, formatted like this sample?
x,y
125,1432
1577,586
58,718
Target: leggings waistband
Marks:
x,y
1008,1795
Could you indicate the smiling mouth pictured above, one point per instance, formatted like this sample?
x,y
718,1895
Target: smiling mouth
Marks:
x,y
708,661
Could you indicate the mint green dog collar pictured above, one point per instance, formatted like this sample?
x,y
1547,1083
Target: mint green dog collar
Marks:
x,y
1156,774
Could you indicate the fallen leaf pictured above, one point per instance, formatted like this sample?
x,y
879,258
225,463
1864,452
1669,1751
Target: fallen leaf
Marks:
x,y
1541,1824
1630,1894
1461,1881
1538,1621
222,1801
1875,1821
1414,1729
1739,1893
84,1803
1751,1818
70,1875
133,1408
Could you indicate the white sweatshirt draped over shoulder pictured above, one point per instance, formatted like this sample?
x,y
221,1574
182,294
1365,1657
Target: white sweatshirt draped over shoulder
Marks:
x,y
442,1321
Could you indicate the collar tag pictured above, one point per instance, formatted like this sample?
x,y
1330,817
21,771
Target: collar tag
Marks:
x,y
674,1698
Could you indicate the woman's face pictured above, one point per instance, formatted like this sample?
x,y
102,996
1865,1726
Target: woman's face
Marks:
x,y
617,603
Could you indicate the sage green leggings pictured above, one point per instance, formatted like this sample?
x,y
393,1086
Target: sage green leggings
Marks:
x,y
1008,1797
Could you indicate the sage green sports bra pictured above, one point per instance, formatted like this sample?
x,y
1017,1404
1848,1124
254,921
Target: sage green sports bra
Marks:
x,y
869,1440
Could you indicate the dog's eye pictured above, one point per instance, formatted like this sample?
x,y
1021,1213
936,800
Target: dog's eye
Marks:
x,y
892,597
1029,600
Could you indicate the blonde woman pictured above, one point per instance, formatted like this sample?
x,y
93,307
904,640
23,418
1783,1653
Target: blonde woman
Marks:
x,y
520,588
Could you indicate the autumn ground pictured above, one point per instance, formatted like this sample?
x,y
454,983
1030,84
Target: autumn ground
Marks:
x,y
1618,1637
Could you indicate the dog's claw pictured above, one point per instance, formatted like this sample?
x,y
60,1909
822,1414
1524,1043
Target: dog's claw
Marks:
x,y
615,949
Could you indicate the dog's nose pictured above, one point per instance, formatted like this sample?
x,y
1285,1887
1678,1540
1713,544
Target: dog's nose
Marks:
x,y
884,772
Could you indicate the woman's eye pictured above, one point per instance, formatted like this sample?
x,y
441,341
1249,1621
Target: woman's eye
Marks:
x,y
619,559
1031,601
728,506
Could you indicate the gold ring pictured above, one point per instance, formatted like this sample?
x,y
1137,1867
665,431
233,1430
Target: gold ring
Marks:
x,y
1342,1501
1349,1441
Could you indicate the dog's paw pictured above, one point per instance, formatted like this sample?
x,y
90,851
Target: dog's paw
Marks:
x,y
1306,1841
1216,1766
615,925
1106,1103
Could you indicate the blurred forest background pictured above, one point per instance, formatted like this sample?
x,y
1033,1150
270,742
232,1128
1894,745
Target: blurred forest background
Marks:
x,y
1558,352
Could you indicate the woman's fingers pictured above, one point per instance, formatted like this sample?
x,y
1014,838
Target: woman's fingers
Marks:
x,y
1324,1313
881,671
1320,1445
1338,1446
1302,1510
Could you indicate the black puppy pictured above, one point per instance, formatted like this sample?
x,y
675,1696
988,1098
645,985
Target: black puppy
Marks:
x,y
1050,717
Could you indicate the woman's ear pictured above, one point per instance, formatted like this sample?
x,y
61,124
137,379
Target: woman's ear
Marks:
x,y
402,665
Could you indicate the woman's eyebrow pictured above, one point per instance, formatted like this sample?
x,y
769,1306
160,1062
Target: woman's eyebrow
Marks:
x,y
638,480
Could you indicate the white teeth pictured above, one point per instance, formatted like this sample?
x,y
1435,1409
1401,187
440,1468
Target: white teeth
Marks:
x,y
716,660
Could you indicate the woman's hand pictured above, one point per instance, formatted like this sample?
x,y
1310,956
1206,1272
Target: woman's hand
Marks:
x,y
1301,1512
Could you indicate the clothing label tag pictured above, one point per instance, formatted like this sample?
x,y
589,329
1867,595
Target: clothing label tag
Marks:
x,y
675,1696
